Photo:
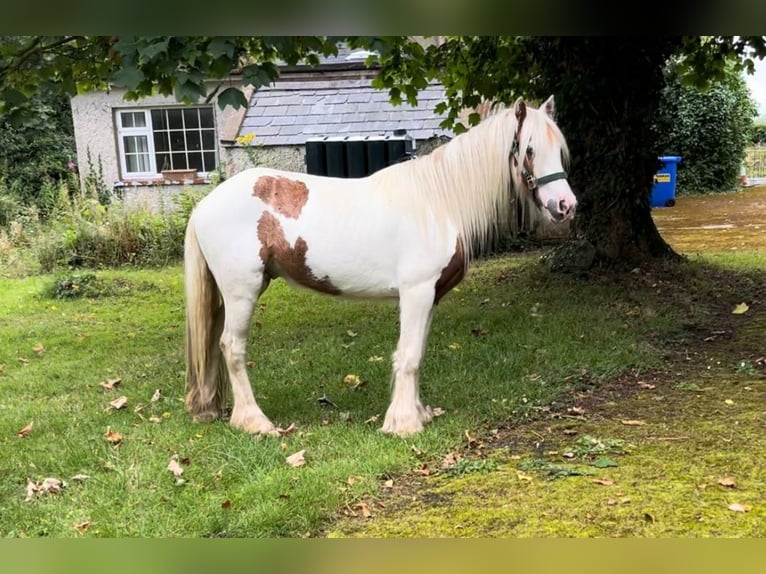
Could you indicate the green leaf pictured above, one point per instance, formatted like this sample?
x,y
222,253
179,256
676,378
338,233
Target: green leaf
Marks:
x,y
258,75
232,97
604,462
153,50
189,92
128,77
221,46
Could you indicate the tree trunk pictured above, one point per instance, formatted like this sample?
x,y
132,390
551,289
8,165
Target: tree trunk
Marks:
x,y
607,94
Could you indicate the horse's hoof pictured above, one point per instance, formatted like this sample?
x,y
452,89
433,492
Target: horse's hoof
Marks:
x,y
253,424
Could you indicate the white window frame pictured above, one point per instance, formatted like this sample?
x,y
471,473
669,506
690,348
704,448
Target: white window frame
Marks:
x,y
147,131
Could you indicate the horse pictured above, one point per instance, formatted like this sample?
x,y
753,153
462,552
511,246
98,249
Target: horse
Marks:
x,y
405,233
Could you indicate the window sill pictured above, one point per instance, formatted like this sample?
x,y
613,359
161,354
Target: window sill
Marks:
x,y
160,181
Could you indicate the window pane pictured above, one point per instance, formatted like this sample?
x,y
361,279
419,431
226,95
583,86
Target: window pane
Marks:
x,y
139,119
177,142
191,119
136,144
206,117
161,141
175,121
163,161
195,160
126,118
193,142
208,139
209,161
136,163
179,161
158,120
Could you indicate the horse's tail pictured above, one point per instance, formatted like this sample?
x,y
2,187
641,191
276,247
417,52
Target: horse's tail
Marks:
x,y
206,381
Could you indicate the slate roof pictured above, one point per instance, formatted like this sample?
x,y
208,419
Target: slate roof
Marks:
x,y
291,111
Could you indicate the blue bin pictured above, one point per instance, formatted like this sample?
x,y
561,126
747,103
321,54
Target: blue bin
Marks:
x,y
664,187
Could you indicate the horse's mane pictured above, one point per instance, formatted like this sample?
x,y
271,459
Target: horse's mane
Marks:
x,y
468,181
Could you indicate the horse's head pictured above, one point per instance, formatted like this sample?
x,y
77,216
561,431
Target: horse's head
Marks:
x,y
537,155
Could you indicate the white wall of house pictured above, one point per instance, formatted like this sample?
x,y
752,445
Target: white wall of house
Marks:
x,y
93,114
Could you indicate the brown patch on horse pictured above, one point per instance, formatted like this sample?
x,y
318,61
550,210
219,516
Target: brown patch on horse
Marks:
x,y
285,195
282,259
453,273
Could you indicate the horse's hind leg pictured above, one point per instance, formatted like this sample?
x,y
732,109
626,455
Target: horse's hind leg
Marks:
x,y
240,294
406,414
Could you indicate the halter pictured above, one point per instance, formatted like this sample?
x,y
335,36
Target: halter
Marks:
x,y
527,171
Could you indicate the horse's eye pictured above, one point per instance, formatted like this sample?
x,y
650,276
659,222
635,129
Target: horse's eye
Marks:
x,y
530,152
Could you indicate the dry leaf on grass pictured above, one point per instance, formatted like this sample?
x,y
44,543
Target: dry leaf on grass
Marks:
x,y
633,423
727,481
603,481
289,430
648,386
174,467
354,479
437,411
372,420
117,404
737,507
364,508
740,309
25,431
155,396
110,384
297,459
46,486
82,527
80,477
112,437
39,349
451,460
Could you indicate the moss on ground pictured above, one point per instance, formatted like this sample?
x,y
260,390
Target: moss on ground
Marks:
x,y
693,448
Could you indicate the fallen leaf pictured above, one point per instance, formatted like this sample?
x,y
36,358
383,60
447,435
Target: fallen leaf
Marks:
x,y
297,459
174,467
373,419
604,462
569,431
82,527
351,333
451,460
226,504
110,384
2,368
644,385
39,349
250,364
112,437
729,402
23,360
611,502
366,513
454,346
155,396
437,411
523,476
737,507
423,470
576,410
740,309
633,423
728,481
80,477
289,430
118,403
603,481
353,381
353,479
375,359
388,484
26,430
155,419
46,486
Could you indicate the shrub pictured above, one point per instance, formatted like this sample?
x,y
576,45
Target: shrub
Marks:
x,y
709,129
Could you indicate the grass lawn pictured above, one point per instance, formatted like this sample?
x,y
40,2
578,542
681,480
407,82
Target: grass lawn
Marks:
x,y
510,343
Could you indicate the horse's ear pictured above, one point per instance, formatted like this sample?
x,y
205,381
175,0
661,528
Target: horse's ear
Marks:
x,y
550,107
520,108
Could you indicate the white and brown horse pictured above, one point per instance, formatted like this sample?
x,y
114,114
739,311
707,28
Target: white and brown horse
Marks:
x,y
402,233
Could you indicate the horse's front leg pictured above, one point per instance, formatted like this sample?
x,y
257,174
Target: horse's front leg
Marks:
x,y
406,414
